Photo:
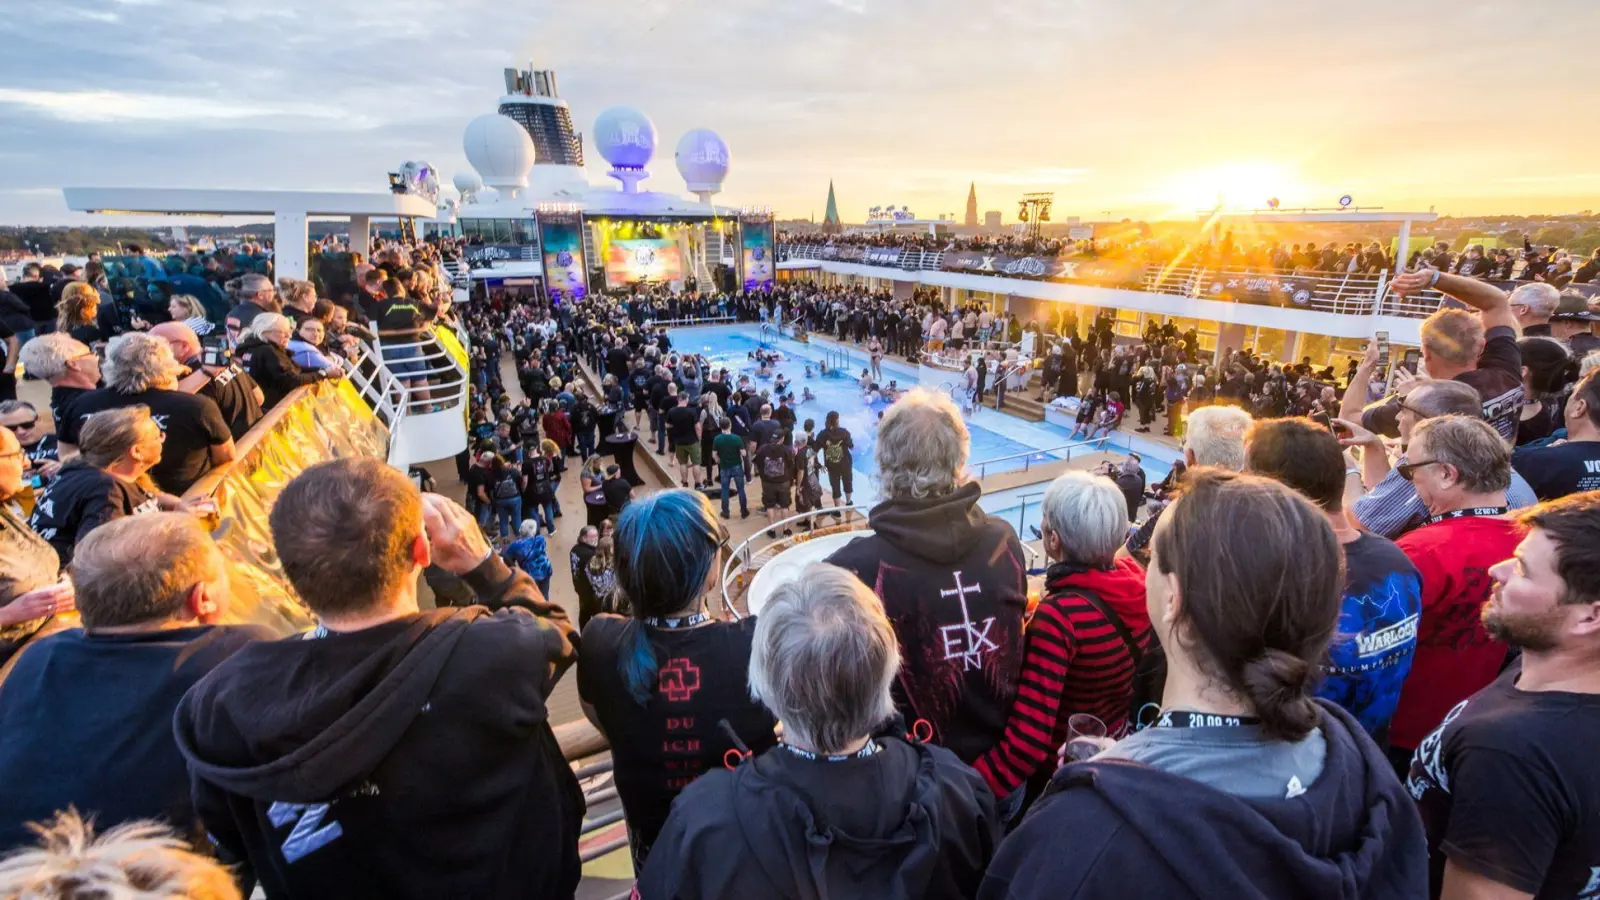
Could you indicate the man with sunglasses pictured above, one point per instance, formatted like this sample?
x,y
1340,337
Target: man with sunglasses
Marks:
x,y
1386,503
1460,468
70,368
38,444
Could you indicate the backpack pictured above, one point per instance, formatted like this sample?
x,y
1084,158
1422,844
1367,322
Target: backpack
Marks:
x,y
506,488
1149,665
833,452
774,467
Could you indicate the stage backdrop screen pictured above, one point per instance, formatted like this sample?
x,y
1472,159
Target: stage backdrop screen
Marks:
x,y
561,245
642,259
756,266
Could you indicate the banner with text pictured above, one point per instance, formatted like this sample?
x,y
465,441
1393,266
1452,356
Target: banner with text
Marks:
x,y
1078,270
561,239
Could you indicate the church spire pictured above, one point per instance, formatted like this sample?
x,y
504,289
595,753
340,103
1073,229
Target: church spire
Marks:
x,y
972,205
830,218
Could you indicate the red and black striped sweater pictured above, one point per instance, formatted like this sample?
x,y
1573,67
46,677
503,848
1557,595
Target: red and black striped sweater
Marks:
x,y
1073,662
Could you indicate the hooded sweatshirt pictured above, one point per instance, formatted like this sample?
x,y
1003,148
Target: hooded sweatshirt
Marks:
x,y
954,584
410,759
1138,831
909,821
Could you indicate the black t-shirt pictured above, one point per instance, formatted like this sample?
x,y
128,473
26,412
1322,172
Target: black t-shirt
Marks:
x,y
1498,381
681,421
234,392
662,746
616,491
1560,469
61,403
774,463
37,295
541,476
765,431
104,702
193,425
836,444
45,450
1508,789
81,499
722,391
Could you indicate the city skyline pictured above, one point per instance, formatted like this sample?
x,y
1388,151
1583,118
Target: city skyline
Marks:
x,y
1142,109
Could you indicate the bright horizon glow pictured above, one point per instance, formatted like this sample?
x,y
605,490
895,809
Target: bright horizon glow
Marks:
x,y
1241,185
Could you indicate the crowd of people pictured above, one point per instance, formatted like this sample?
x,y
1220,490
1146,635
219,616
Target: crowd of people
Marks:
x,y
1542,263
1355,653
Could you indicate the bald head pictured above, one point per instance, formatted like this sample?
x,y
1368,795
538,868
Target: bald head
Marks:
x,y
181,338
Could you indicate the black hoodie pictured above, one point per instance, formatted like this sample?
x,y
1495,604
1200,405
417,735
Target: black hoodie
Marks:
x,y
1115,829
910,821
954,583
410,759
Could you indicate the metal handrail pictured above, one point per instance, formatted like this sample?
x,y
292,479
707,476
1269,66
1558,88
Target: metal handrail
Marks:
x,y
743,555
1099,443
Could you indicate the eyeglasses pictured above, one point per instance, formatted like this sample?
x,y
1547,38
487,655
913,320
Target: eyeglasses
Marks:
x,y
1411,409
14,453
1408,470
30,424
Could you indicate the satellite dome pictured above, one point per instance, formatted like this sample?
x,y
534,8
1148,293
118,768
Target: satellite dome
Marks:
x,y
625,137
467,183
703,160
500,150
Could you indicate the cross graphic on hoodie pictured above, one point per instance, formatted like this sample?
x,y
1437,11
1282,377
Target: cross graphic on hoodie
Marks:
x,y
965,639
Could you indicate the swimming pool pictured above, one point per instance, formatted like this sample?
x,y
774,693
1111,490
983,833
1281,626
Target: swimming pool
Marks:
x,y
731,345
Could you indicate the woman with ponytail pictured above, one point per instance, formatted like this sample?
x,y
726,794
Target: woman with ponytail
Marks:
x,y
661,682
1242,784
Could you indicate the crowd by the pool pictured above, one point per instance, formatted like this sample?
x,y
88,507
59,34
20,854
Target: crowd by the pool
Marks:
x,y
1353,651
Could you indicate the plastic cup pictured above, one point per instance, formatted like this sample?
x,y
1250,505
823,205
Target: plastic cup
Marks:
x,y
1083,732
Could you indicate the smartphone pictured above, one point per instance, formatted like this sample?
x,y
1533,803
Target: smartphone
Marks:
x,y
1382,338
1323,419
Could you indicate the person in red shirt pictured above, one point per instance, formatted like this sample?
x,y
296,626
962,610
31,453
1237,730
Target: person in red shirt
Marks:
x,y
1461,468
1081,645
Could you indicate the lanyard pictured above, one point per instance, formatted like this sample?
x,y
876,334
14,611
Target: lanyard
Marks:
x,y
1182,718
870,749
1475,512
690,621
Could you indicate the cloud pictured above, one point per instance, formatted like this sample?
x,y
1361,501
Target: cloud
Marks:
x,y
120,106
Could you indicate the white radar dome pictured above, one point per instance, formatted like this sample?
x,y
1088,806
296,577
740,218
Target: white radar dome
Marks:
x,y
500,150
625,137
467,183
703,160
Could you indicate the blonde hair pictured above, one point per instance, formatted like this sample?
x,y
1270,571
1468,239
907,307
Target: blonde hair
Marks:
x,y
1453,335
139,860
80,302
191,306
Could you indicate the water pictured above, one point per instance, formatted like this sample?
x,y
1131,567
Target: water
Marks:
x,y
730,345
993,434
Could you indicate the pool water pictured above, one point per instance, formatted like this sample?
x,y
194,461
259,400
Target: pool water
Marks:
x,y
993,434
731,346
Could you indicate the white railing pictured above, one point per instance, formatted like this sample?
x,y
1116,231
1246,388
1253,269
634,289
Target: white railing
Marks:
x,y
745,555
1331,292
1031,458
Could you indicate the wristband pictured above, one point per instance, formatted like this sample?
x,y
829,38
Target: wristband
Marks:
x,y
1351,471
1435,279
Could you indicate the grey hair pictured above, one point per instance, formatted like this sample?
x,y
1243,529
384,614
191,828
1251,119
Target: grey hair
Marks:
x,y
823,659
922,447
1216,435
1089,515
1447,398
253,284
46,355
1481,457
1590,363
270,321
528,528
7,407
137,362
1540,298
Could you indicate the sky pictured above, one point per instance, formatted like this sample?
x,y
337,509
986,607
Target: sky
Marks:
x,y
1122,108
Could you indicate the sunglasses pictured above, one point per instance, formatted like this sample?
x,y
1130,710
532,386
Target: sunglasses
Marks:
x,y
31,423
1408,470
